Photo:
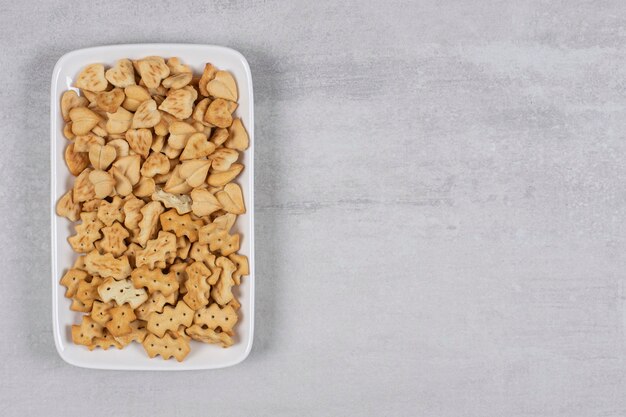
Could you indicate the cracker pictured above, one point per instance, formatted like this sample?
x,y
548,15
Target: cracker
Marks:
x,y
66,207
100,312
241,262
170,319
156,250
215,317
218,239
155,302
71,279
181,276
180,225
167,346
86,332
87,233
182,203
107,265
122,292
108,213
104,342
113,239
121,318
222,291
209,336
154,280
198,289
137,334
149,221
87,292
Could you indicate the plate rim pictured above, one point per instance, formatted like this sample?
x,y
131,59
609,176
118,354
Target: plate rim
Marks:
x,y
54,113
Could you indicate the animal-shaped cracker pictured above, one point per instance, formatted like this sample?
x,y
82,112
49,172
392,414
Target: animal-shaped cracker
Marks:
x,y
86,233
100,312
155,302
85,333
107,265
113,239
198,289
131,252
156,250
154,280
200,252
137,334
222,291
87,292
218,239
71,279
149,221
92,205
181,225
111,212
166,346
170,319
215,317
209,336
122,292
121,317
241,262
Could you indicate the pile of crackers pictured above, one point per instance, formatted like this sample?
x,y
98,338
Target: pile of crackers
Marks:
x,y
154,152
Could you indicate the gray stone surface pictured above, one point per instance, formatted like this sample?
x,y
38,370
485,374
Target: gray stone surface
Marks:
x,y
440,208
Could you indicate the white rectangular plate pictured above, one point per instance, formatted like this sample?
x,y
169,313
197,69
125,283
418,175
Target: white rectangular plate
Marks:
x,y
133,357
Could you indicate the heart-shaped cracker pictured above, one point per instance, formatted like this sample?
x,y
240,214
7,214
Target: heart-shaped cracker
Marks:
x,y
231,199
129,166
218,179
121,147
119,122
83,143
237,136
219,137
179,134
110,101
176,67
176,184
103,183
207,75
69,100
76,161
123,186
204,203
145,187
222,159
135,95
223,86
155,163
177,81
83,188
147,115
154,280
101,156
83,120
198,146
122,74
139,140
195,171
219,112
152,70
92,78
122,292
178,103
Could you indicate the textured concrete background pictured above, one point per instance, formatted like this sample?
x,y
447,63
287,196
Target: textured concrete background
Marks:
x,y
440,208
